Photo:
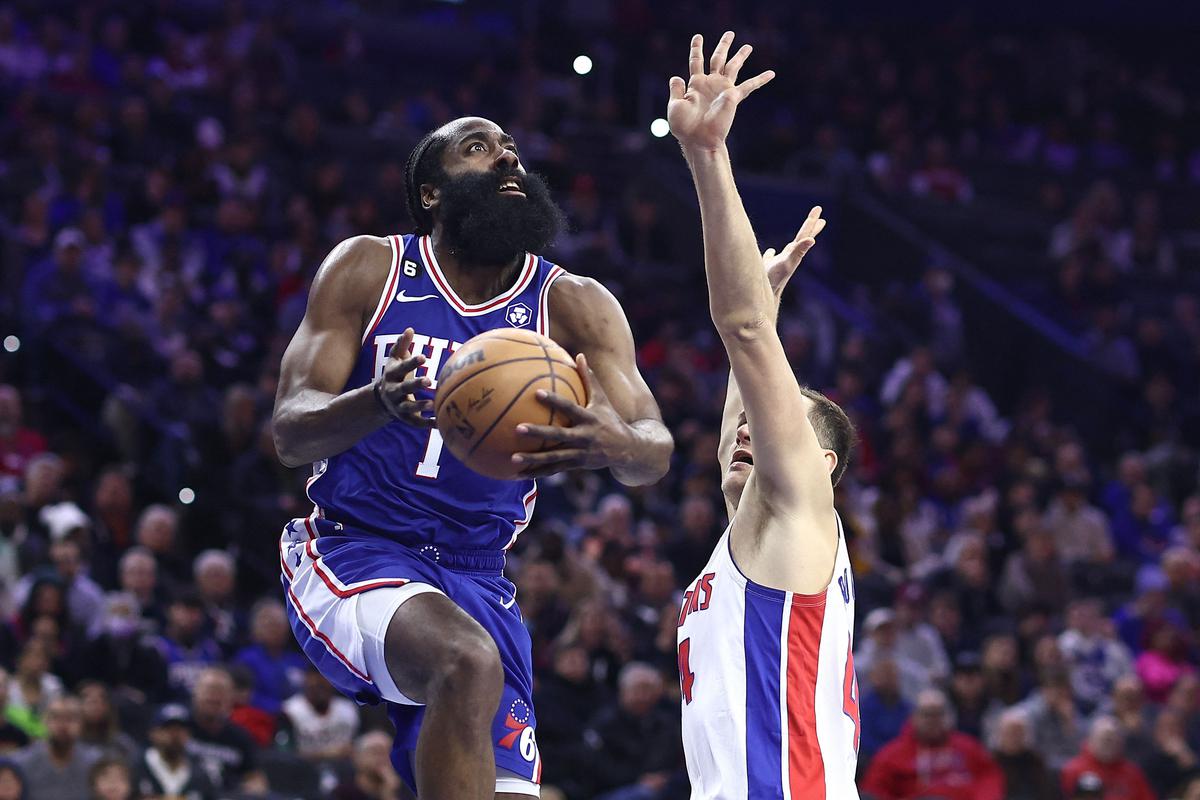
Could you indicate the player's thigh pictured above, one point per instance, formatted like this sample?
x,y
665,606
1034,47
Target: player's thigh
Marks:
x,y
430,637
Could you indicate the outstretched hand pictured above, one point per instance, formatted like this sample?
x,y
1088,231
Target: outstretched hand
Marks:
x,y
701,109
782,265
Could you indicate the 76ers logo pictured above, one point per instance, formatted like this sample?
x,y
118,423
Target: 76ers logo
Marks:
x,y
520,731
518,315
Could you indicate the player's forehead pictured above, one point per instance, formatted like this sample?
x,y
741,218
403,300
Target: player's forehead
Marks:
x,y
464,129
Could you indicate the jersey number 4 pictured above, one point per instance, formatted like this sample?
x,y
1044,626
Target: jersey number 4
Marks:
x,y
687,678
850,696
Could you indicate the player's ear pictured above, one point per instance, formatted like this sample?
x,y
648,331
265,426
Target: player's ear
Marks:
x,y
831,460
429,196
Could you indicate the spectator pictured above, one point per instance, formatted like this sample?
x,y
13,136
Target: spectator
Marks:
x,y
1102,756
215,575
882,710
101,726
1026,776
18,443
224,751
11,737
1093,654
166,768
12,781
278,669
157,531
566,699
879,631
32,689
1164,663
1082,531
58,768
183,646
1134,716
111,779
1172,758
1055,722
324,725
84,595
917,639
121,656
373,779
637,744
929,758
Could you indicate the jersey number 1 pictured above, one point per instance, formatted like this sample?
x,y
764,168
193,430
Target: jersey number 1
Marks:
x,y
428,466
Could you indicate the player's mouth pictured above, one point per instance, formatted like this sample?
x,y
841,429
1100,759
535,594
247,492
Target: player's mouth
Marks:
x,y
511,186
742,457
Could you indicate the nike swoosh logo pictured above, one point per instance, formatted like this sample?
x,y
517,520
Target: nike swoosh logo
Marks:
x,y
509,604
403,298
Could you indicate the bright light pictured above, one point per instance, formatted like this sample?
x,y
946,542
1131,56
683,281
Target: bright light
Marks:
x,y
660,127
12,344
187,496
583,65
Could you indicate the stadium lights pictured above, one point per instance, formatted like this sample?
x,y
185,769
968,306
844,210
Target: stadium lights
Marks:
x,y
12,344
582,65
187,496
660,127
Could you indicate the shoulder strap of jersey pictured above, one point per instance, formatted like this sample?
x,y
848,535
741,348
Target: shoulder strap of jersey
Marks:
x,y
389,286
550,273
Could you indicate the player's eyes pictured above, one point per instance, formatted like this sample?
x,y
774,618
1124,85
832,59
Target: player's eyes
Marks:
x,y
471,147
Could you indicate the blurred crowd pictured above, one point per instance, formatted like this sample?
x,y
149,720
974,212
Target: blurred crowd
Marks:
x,y
173,173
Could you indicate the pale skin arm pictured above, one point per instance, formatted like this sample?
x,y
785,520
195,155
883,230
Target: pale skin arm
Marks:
x,y
620,427
790,487
779,266
313,419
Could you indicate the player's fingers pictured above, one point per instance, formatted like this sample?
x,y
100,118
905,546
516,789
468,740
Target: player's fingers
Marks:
x,y
414,385
551,433
717,62
591,387
696,56
548,457
574,412
418,421
403,346
734,66
397,369
768,253
760,80
678,88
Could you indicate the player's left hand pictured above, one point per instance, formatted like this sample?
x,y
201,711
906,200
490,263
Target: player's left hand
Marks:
x,y
597,438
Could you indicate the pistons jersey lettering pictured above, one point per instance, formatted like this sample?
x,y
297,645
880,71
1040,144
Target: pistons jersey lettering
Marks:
x,y
399,481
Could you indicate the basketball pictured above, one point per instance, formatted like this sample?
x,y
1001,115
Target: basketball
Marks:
x,y
490,387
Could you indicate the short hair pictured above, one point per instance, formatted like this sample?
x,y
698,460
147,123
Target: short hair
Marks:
x,y
636,671
213,557
424,165
834,430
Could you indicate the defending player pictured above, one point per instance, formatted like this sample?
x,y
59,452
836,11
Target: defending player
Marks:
x,y
770,700
394,583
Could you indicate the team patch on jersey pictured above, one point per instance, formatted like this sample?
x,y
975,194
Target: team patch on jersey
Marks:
x,y
518,315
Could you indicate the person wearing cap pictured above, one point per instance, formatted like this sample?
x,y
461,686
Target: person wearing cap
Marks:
x,y
879,641
930,759
165,768
1103,755
57,292
183,645
1081,530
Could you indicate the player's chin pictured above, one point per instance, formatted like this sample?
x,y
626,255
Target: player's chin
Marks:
x,y
735,478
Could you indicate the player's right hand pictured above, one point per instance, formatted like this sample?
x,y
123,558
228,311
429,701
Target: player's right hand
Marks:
x,y
701,109
782,266
398,385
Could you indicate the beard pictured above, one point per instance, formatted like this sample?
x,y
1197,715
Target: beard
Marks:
x,y
483,226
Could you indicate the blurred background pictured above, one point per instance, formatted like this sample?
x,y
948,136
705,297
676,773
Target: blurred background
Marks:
x,y
1006,301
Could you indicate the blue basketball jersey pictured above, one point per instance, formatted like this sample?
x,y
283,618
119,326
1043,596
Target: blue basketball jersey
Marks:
x,y
399,482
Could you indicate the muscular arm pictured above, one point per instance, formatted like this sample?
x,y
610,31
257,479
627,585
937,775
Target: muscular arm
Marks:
x,y
313,418
586,318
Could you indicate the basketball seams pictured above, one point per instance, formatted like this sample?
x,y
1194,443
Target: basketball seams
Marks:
x,y
516,396
452,387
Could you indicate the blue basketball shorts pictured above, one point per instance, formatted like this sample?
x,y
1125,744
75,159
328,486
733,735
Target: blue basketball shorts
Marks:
x,y
342,588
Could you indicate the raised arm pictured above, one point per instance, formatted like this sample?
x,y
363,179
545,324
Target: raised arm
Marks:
x,y
621,427
313,417
791,472
779,267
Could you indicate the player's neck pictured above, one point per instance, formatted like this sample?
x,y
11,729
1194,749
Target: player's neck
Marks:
x,y
474,282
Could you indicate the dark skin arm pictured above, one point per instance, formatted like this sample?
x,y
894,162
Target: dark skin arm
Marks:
x,y
620,427
313,418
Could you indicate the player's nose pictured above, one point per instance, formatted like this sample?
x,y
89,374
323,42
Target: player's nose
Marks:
x,y
507,161
743,434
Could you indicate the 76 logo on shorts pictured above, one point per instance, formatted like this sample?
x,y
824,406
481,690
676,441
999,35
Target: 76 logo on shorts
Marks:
x,y
521,735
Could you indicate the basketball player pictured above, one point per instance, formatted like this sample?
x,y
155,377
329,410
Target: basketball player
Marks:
x,y
394,583
770,701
